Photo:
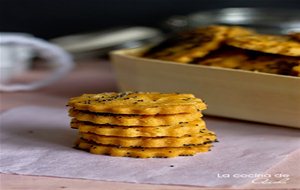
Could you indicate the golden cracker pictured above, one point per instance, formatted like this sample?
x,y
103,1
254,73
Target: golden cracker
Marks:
x,y
141,152
273,44
177,130
235,58
138,103
188,45
133,120
150,142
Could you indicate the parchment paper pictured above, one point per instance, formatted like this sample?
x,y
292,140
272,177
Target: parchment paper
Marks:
x,y
39,141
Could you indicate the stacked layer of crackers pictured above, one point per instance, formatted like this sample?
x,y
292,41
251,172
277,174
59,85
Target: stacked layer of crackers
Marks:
x,y
232,47
140,125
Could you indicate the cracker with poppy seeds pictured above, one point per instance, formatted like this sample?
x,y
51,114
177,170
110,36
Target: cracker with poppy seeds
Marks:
x,y
151,142
141,103
195,43
133,120
188,45
276,64
235,58
165,152
273,44
177,130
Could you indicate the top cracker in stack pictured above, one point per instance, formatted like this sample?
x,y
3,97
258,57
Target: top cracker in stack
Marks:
x,y
143,125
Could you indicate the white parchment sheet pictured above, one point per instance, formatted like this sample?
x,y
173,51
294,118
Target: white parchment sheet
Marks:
x,y
39,141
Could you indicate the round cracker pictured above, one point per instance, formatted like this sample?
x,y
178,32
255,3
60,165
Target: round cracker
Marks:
x,y
151,142
177,130
165,152
133,120
188,45
273,44
151,103
235,58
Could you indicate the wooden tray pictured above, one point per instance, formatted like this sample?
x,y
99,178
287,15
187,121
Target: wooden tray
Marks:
x,y
239,94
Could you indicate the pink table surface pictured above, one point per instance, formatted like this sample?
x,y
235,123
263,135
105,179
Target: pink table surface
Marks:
x,y
94,76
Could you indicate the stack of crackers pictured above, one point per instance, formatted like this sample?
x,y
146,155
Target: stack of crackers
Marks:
x,y
141,125
232,47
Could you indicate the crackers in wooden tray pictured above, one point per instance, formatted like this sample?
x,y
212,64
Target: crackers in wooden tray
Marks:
x,y
233,47
189,45
235,58
282,45
142,125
